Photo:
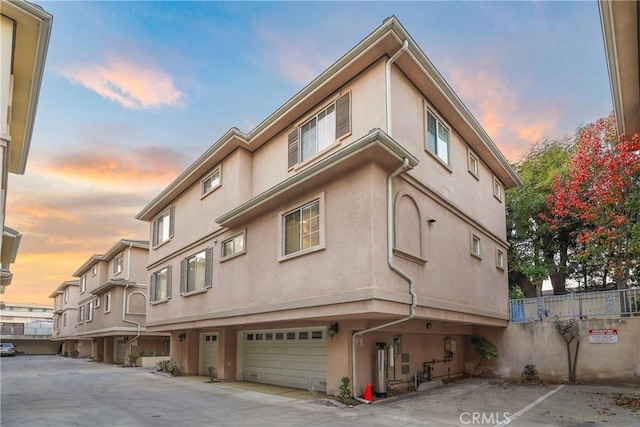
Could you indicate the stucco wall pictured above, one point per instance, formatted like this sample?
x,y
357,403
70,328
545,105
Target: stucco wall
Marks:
x,y
540,344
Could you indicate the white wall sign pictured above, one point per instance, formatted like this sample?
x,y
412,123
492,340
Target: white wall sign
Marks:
x,y
603,336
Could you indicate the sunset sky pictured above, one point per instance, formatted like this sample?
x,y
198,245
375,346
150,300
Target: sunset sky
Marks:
x,y
134,92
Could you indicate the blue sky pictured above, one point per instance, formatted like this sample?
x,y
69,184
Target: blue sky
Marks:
x,y
134,92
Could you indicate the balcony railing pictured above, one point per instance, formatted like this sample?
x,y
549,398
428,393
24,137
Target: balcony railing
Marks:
x,y
603,305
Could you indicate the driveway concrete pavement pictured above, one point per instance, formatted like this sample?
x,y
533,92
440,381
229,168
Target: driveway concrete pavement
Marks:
x,y
56,391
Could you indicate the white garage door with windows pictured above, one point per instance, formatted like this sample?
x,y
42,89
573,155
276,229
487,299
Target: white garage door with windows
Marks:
x,y
209,352
287,357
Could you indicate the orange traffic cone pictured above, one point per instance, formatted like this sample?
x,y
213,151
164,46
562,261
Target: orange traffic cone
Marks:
x,y
367,392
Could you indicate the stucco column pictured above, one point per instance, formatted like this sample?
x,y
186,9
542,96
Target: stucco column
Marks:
x,y
191,361
175,348
338,358
227,354
108,350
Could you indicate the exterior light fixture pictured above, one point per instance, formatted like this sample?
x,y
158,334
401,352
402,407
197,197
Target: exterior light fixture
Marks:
x,y
333,330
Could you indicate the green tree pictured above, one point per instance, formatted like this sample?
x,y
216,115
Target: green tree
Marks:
x,y
536,250
569,330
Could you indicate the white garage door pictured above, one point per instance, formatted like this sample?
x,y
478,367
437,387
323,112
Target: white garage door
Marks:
x,y
208,353
288,357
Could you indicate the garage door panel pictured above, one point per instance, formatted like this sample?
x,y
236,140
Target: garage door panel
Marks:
x,y
291,362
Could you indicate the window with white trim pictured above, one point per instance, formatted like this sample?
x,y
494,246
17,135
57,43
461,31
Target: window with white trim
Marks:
x,y
437,137
107,302
476,245
94,270
83,284
211,182
81,314
500,260
66,295
118,263
97,301
90,311
64,319
301,228
160,288
498,189
321,131
233,246
195,272
163,226
473,164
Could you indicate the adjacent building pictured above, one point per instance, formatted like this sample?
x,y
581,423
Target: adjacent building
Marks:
x,y
65,320
363,219
28,327
621,31
112,299
24,41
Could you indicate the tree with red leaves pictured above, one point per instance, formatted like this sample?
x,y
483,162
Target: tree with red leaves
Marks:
x,y
600,192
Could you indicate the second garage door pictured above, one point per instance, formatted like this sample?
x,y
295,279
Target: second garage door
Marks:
x,y
287,357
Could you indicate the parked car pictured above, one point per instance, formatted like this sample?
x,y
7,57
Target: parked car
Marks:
x,y
7,349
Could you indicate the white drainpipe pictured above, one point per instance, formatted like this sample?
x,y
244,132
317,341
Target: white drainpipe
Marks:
x,y
387,76
124,300
390,232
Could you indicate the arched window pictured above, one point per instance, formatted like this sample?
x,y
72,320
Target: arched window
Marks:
x,y
408,228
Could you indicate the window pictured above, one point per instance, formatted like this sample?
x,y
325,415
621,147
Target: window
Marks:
x,y
475,246
66,295
233,246
97,302
81,314
163,226
83,284
90,311
301,228
320,131
211,182
64,319
161,284
107,302
500,262
473,164
195,273
497,188
94,270
437,137
118,263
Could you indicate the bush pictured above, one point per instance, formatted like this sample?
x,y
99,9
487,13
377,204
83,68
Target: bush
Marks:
x,y
133,359
344,393
74,353
530,372
169,367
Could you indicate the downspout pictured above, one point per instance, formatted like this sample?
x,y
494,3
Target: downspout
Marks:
x,y
124,300
390,231
414,300
387,76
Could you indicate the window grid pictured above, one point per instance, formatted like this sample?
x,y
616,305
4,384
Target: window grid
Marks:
x,y
211,182
302,228
233,246
437,137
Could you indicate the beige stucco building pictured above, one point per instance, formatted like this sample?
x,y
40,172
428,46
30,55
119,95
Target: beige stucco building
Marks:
x,y
24,40
112,301
65,320
368,211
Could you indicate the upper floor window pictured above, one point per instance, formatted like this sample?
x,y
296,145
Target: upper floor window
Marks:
x,y
160,285
90,311
107,302
320,131
473,164
476,248
97,301
195,271
66,295
118,263
163,226
94,270
211,182
437,137
64,319
81,314
83,284
302,228
498,189
233,246
500,259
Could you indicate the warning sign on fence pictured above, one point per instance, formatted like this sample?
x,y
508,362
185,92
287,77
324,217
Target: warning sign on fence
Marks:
x,y
603,336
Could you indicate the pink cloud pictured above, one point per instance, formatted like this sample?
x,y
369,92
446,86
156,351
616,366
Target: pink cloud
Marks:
x,y
132,85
